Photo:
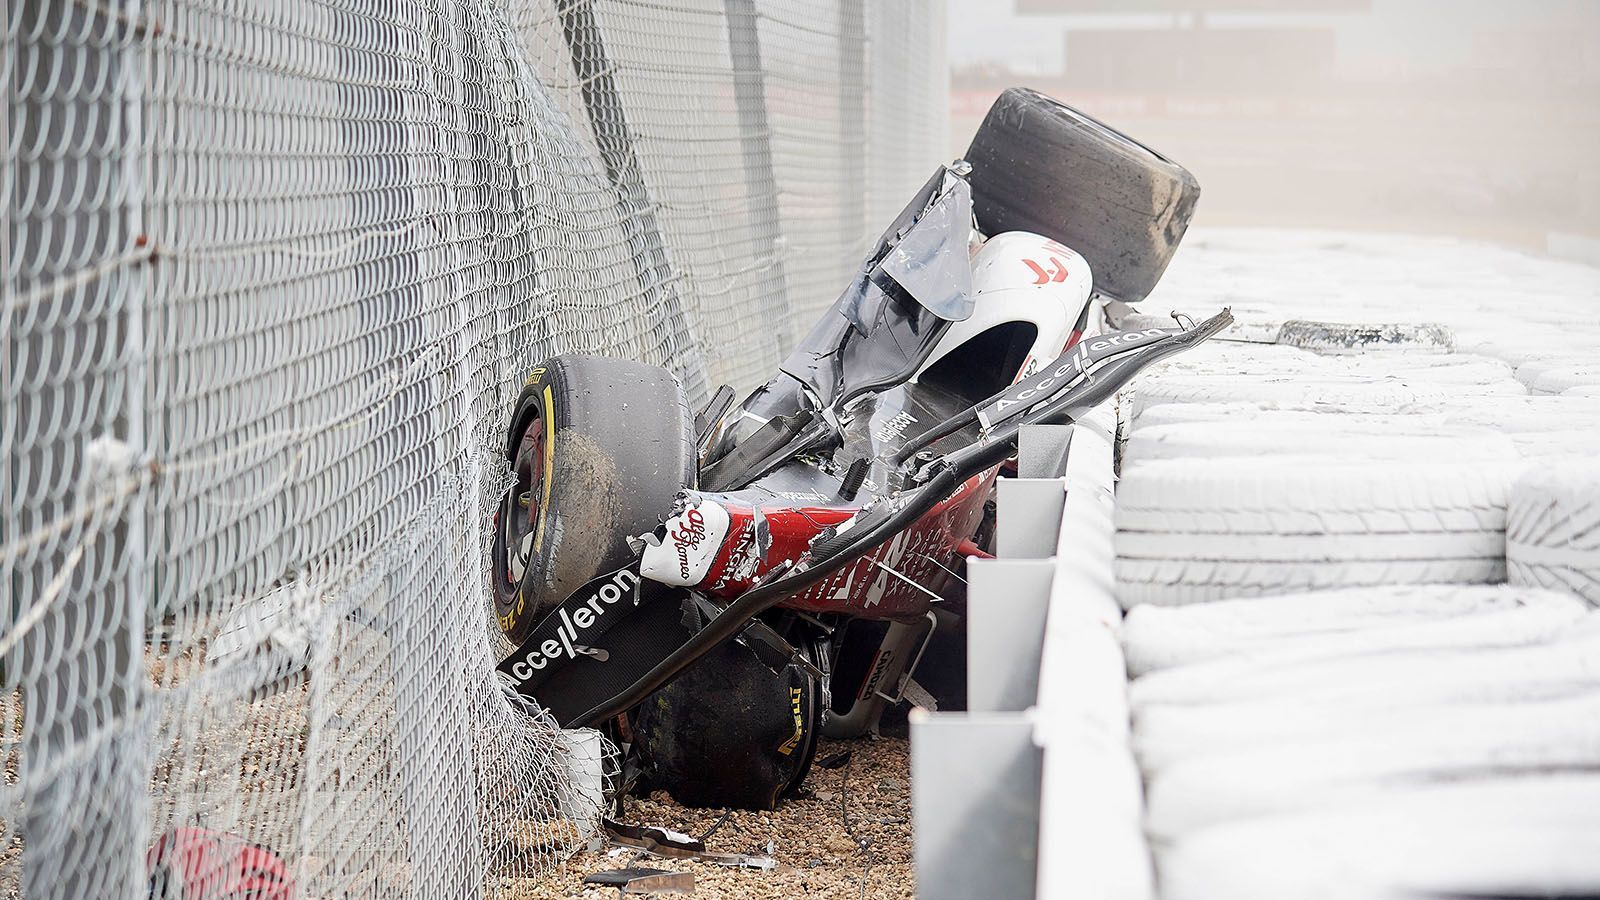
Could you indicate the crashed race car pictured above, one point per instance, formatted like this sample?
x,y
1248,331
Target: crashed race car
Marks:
x,y
697,583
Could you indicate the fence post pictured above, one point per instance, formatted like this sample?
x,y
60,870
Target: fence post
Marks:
x,y
608,119
85,742
853,127
755,142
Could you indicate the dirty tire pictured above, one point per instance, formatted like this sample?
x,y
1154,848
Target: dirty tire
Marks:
x,y
1338,339
729,732
1193,531
1553,530
620,439
1041,166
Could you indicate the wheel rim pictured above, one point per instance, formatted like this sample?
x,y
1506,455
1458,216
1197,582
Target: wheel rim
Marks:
x,y
528,493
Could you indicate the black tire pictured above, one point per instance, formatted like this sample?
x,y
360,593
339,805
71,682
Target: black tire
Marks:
x,y
730,733
1038,165
621,447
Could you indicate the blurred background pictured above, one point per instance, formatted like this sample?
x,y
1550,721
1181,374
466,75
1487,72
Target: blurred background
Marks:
x,y
1476,118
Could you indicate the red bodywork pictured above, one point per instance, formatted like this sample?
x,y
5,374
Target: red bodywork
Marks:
x,y
196,864
924,552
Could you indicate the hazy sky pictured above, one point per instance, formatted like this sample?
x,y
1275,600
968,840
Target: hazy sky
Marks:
x,y
1425,33
1476,117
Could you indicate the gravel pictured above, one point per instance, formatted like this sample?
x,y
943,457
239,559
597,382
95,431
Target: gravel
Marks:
x,y
847,835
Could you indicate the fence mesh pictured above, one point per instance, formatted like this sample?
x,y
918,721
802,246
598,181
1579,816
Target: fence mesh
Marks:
x,y
273,273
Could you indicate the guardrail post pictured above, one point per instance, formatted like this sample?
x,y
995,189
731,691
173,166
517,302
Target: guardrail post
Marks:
x,y
755,142
1006,604
1029,519
1042,450
975,804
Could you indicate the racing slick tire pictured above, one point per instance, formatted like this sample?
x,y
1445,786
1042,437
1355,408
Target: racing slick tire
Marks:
x,y
1038,165
600,449
729,732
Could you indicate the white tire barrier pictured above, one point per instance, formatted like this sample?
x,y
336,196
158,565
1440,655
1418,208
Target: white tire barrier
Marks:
x,y
1324,624
1541,369
1266,436
1475,675
1567,442
1528,413
1524,345
1512,837
1169,733
1197,530
1357,395
1238,413
1450,742
1513,414
1558,379
1452,369
1553,529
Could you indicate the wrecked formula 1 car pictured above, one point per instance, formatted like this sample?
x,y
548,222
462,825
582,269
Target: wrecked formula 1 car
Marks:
x,y
691,582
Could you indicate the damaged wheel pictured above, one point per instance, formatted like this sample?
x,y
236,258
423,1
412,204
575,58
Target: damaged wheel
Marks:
x,y
730,732
600,448
1039,165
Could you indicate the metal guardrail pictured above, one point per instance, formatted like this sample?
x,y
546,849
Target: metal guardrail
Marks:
x,y
1033,791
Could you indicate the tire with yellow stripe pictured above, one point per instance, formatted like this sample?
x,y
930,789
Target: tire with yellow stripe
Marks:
x,y
599,448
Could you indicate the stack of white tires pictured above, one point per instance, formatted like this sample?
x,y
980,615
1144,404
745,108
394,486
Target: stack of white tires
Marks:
x,y
1362,574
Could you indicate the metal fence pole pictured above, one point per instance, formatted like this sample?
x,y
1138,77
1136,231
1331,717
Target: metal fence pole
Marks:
x,y
853,125
84,747
755,142
593,66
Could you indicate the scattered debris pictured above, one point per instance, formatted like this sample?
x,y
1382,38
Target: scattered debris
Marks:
x,y
1337,338
665,842
644,881
706,836
834,760
808,833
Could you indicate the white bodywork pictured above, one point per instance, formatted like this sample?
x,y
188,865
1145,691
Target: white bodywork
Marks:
x,y
693,538
1019,276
